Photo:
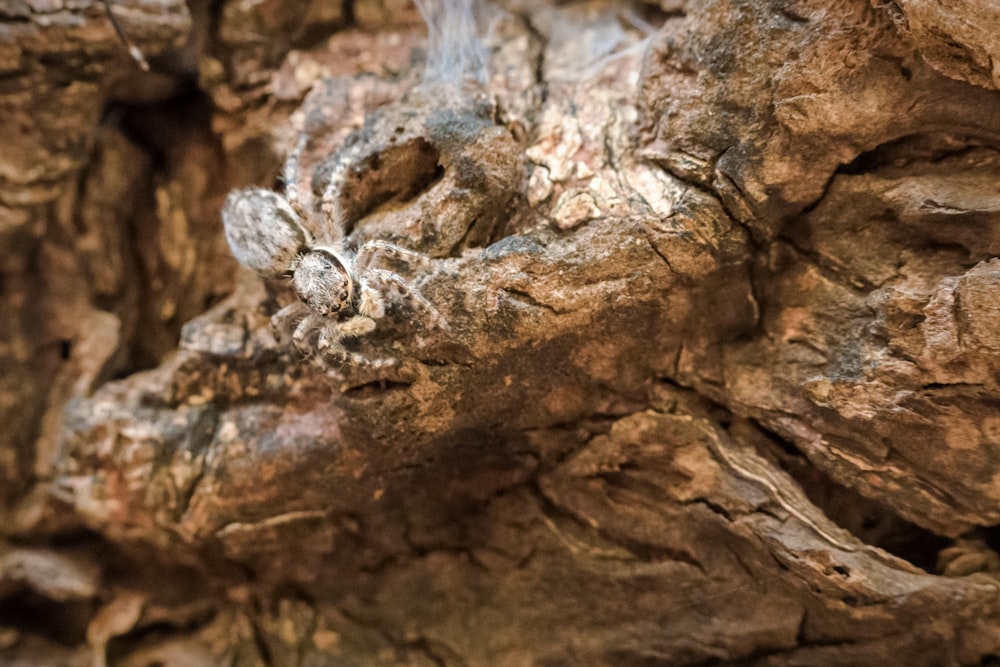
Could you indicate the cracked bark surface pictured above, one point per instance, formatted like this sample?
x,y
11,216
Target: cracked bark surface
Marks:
x,y
721,380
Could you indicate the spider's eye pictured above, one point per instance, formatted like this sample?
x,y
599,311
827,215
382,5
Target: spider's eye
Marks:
x,y
328,266
343,296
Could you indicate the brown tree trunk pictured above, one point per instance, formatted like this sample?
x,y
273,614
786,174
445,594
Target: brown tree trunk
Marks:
x,y
719,382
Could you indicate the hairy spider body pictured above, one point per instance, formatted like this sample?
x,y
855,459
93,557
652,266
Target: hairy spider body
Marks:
x,y
342,292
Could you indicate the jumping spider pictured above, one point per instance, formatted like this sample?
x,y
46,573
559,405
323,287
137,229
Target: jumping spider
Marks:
x,y
343,290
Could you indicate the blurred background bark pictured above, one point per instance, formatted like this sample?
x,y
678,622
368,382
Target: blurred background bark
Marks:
x,y
721,384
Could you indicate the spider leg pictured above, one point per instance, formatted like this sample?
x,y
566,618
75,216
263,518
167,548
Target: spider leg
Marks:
x,y
330,206
290,175
287,320
372,303
359,325
331,345
304,331
408,293
370,251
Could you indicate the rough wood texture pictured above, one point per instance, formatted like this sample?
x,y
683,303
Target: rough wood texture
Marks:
x,y
721,384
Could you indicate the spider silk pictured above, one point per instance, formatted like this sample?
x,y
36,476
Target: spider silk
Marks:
x,y
455,52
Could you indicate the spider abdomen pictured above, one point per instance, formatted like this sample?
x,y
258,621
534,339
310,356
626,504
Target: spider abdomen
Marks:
x,y
263,231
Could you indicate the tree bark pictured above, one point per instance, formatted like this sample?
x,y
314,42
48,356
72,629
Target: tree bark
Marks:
x,y
719,382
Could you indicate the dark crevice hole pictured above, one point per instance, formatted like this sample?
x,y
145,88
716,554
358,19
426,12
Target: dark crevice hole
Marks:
x,y
31,613
929,147
171,133
375,388
991,536
393,176
120,647
869,520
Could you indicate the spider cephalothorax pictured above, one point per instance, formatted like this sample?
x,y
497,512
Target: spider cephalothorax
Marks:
x,y
342,291
324,282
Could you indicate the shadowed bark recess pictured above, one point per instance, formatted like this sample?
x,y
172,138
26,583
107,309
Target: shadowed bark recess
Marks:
x,y
720,383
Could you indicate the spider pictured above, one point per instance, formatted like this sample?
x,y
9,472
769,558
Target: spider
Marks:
x,y
342,291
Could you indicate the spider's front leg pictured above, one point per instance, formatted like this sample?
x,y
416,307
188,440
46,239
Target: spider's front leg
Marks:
x,y
369,251
371,303
331,342
287,321
290,175
410,294
330,206
305,333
